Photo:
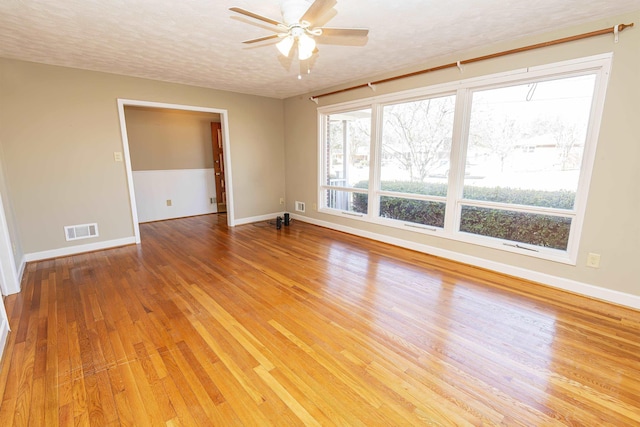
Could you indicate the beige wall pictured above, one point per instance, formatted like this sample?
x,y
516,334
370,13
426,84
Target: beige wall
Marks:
x,y
611,223
162,139
59,128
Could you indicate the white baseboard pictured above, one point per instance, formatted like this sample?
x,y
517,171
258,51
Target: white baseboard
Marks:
x,y
23,264
597,292
249,220
73,250
4,334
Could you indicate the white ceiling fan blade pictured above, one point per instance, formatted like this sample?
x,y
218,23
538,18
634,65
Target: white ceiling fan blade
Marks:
x,y
255,16
317,9
344,32
261,39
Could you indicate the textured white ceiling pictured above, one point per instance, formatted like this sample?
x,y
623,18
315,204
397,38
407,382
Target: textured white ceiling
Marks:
x,y
198,42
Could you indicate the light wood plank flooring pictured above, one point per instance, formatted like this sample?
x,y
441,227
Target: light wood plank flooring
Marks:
x,y
205,325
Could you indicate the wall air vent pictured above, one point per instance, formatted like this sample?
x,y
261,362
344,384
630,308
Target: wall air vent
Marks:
x,y
299,206
82,231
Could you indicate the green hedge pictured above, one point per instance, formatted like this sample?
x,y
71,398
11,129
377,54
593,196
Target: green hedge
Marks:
x,y
417,211
539,230
562,199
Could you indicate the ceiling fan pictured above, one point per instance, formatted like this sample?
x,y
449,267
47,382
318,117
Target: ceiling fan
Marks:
x,y
297,28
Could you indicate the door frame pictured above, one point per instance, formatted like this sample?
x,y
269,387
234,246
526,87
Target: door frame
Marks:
x,y
224,122
219,174
9,280
9,283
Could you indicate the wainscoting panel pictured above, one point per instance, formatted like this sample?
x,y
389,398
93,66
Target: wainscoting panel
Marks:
x,y
165,194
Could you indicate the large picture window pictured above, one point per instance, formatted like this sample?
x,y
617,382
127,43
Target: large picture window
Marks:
x,y
503,161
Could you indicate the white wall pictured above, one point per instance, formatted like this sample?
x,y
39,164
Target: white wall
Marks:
x,y
190,192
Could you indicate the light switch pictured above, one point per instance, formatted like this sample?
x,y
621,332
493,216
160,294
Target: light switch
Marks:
x,y
117,156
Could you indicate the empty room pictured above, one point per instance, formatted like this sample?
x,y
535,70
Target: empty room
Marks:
x,y
319,212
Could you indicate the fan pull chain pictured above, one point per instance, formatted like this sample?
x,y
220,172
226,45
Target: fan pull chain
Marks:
x,y
308,72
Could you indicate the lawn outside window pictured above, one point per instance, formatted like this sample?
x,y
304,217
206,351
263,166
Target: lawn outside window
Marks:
x,y
502,161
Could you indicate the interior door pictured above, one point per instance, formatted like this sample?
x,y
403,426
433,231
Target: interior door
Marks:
x,y
218,166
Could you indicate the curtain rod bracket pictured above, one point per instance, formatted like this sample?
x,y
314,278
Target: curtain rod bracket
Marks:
x,y
459,65
616,32
371,86
312,99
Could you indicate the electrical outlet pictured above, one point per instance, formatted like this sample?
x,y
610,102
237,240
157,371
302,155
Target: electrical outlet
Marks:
x,y
169,203
593,260
282,200
117,156
315,207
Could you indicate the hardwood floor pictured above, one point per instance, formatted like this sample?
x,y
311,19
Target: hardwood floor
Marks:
x,y
205,325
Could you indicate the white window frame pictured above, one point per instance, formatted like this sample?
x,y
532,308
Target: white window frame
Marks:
x,y
323,167
600,65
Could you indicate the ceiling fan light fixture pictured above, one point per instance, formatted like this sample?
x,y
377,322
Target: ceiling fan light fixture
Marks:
x,y
285,45
297,26
306,45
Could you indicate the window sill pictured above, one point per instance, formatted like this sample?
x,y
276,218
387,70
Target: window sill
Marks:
x,y
562,257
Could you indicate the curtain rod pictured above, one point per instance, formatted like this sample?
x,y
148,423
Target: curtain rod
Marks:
x,y
615,30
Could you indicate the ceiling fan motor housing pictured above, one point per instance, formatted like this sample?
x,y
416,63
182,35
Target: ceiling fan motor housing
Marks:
x,y
296,31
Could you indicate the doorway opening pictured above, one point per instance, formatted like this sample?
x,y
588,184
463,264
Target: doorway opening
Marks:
x,y
225,160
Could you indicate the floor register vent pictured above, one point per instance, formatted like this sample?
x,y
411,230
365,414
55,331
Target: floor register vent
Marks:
x,y
82,231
